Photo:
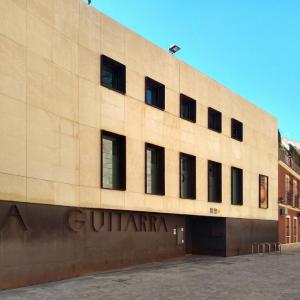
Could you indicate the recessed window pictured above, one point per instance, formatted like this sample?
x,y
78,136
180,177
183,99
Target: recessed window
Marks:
x,y
187,176
236,130
263,191
288,229
154,93
236,186
187,108
154,169
288,188
113,161
214,120
295,194
214,182
113,74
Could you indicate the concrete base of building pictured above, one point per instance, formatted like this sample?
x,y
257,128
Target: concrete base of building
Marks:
x,y
41,243
291,246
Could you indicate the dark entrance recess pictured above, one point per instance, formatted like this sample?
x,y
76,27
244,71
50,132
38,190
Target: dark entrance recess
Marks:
x,y
207,235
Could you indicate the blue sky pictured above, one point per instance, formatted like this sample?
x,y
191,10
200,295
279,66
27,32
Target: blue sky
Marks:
x,y
252,47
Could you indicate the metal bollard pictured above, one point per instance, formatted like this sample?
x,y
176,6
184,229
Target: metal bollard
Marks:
x,y
260,248
279,247
255,248
268,245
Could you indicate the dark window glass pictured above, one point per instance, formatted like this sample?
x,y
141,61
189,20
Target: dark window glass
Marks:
x,y
113,74
187,108
113,161
236,130
236,186
154,93
263,191
214,182
214,120
187,176
154,169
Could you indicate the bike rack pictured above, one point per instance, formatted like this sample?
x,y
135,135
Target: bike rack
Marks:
x,y
265,247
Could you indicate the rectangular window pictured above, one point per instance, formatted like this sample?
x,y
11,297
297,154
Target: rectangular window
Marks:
x,y
154,93
113,161
237,130
113,74
187,108
295,193
154,169
287,229
236,186
295,230
214,182
187,176
298,230
263,191
287,187
214,120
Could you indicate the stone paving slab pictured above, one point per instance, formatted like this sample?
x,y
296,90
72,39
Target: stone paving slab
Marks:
x,y
275,276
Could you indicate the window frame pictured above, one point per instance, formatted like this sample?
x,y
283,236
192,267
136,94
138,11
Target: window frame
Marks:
x,y
211,111
193,103
221,184
242,187
162,149
117,66
161,87
194,192
122,138
238,137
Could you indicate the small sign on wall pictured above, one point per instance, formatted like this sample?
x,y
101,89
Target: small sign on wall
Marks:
x,y
214,211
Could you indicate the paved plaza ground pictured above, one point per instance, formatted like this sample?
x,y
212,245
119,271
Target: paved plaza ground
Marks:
x,y
275,276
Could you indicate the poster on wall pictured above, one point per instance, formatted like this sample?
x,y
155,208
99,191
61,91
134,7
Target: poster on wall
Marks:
x,y
263,191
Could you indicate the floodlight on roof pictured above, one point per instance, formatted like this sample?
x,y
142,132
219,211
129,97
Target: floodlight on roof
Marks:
x,y
173,49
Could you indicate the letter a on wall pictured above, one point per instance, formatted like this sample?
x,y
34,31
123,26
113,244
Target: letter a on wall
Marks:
x,y
14,212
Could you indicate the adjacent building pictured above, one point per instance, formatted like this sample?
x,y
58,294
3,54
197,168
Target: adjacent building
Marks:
x,y
288,193
114,152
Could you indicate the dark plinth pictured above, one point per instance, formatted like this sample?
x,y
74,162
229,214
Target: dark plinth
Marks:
x,y
40,243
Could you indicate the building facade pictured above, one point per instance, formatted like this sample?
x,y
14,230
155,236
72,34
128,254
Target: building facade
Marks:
x,y
289,204
114,152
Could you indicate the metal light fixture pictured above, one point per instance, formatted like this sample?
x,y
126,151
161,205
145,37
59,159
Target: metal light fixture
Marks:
x,y
173,49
